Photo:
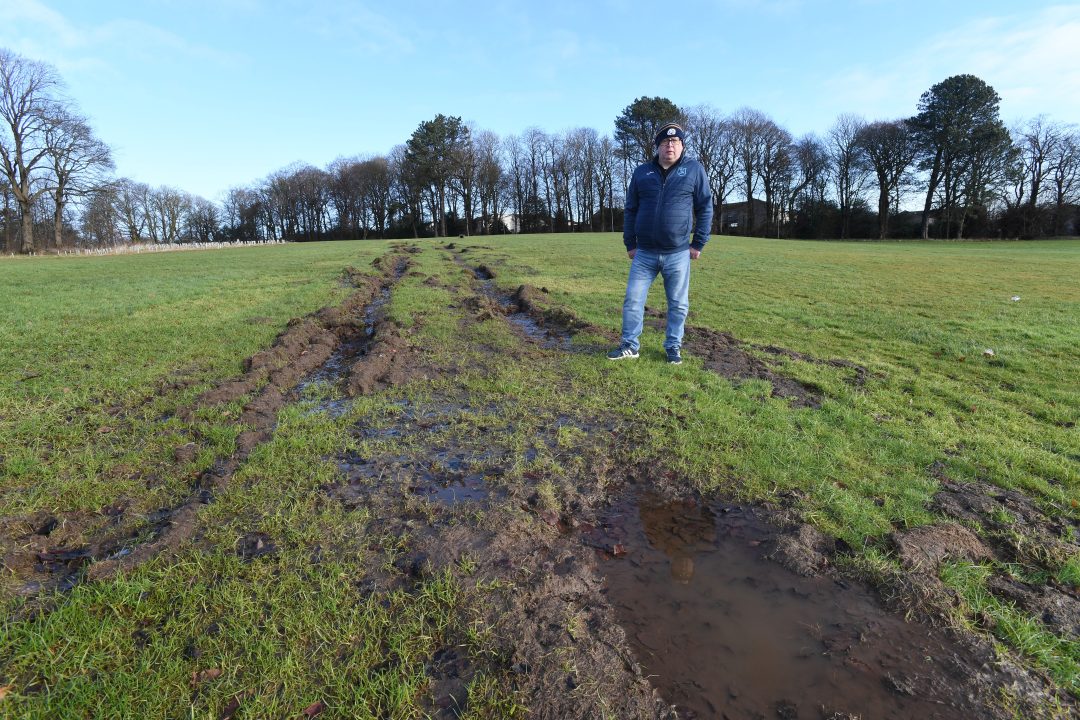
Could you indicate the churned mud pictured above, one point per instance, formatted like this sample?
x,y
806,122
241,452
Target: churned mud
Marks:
x,y
48,552
612,591
726,355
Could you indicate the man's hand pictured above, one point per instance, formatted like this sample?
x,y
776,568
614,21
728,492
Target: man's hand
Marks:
x,y
694,253
631,253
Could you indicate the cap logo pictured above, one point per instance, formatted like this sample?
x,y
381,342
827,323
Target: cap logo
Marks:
x,y
671,131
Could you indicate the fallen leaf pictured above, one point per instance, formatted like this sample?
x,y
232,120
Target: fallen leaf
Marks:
x,y
230,708
104,429
314,709
5,690
201,676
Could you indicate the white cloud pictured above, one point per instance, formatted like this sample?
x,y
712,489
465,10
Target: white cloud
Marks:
x,y
362,29
41,33
1031,60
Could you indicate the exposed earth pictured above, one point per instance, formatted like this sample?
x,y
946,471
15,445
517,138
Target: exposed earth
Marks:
x,y
619,591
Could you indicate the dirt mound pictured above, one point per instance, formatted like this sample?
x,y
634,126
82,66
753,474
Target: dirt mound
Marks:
x,y
924,548
388,362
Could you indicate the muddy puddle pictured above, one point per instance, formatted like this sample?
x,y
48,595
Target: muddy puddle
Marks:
x,y
443,473
723,632
526,319
334,373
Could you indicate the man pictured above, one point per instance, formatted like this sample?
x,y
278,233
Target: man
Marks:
x,y
667,198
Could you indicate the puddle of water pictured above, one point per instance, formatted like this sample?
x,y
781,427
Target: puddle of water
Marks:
x,y
458,490
535,332
723,632
334,372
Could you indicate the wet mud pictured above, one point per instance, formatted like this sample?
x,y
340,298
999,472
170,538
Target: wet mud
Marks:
x,y
724,632
726,355
988,524
309,350
613,593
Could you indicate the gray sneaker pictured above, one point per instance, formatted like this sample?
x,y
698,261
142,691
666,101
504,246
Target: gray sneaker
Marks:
x,y
674,357
623,352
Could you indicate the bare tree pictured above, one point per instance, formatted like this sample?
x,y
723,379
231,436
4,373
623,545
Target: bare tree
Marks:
x,y
776,173
377,186
243,208
890,149
1036,145
1066,177
712,143
101,222
489,177
747,128
850,170
607,167
809,180
28,109
408,189
78,160
9,212
346,194
167,210
202,220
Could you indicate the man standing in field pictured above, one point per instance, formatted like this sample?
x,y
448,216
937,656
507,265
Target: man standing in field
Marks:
x,y
667,198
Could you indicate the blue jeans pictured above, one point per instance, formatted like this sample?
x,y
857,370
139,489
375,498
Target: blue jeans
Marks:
x,y
675,269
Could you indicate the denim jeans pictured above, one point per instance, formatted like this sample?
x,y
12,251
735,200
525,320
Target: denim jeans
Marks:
x,y
675,269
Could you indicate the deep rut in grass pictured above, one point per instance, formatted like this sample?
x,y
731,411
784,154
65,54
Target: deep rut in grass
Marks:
x,y
607,589
349,340
625,596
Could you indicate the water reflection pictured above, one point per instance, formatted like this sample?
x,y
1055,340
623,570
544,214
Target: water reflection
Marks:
x,y
679,529
724,632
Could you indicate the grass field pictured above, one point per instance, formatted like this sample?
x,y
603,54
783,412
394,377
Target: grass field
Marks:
x,y
959,367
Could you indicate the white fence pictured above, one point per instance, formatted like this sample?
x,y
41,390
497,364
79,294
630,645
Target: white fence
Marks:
x,y
163,247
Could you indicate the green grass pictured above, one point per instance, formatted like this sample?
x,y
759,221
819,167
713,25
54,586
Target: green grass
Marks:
x,y
918,316
88,341
1058,656
88,345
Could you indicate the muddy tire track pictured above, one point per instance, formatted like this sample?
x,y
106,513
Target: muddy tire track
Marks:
x,y
551,543
271,375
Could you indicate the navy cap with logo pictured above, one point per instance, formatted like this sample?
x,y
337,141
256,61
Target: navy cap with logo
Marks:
x,y
669,130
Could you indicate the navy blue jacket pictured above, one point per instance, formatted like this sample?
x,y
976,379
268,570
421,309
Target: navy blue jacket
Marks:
x,y
661,211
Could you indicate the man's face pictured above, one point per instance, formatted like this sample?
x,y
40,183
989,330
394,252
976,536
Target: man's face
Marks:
x,y
670,150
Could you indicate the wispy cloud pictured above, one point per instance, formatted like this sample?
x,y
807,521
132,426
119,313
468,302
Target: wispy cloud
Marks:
x,y
362,29
85,48
1032,60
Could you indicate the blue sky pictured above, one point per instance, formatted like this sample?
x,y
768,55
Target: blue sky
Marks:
x,y
204,95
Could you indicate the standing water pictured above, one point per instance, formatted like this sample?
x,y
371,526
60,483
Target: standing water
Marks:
x,y
723,632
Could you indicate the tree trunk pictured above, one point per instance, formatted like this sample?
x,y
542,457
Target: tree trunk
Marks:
x,y
27,231
883,212
58,217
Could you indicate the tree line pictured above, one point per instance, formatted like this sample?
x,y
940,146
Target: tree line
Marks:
x,y
951,170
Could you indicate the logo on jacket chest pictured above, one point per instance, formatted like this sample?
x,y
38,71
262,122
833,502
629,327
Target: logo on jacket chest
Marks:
x,y
681,172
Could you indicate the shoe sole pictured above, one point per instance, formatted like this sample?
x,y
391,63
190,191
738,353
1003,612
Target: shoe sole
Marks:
x,y
624,357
